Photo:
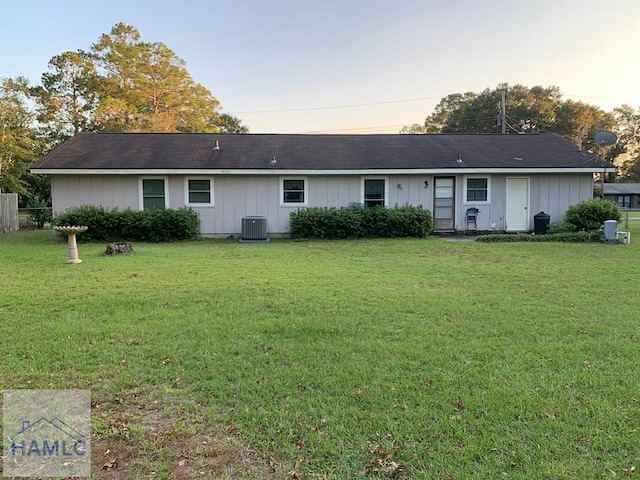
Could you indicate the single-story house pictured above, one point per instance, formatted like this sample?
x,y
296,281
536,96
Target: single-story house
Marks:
x,y
228,177
626,195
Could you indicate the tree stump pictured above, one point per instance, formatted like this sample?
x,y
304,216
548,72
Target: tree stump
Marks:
x,y
118,249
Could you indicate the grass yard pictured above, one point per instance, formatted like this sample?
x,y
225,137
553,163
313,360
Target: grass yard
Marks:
x,y
419,359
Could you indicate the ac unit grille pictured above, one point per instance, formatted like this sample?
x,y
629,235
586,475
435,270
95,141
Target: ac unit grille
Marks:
x,y
254,229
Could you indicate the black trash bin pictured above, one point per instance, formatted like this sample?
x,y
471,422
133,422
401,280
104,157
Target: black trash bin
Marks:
x,y
541,223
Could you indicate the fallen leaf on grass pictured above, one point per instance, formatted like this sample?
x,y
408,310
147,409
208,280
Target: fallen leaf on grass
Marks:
x,y
459,406
230,429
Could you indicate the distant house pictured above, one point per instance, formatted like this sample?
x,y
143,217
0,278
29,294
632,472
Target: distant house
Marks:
x,y
626,195
227,177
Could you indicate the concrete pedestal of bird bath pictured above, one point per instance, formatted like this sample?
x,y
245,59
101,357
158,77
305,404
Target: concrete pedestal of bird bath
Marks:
x,y
71,231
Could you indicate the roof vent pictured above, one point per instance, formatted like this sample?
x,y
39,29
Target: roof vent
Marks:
x,y
274,160
216,145
459,160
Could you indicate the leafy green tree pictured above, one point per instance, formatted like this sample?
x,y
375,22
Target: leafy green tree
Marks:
x,y
627,148
146,87
19,145
579,122
413,129
125,84
68,95
38,187
528,110
231,124
450,112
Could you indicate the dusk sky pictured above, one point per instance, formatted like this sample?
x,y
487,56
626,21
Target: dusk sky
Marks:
x,y
352,66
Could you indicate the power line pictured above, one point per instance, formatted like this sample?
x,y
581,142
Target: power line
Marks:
x,y
390,102
333,107
355,129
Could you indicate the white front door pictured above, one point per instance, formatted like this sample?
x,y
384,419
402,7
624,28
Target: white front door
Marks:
x,y
517,218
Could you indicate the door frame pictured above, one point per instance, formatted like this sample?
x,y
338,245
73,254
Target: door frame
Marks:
x,y
453,207
525,214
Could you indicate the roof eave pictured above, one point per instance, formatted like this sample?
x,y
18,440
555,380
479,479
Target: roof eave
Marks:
x,y
282,171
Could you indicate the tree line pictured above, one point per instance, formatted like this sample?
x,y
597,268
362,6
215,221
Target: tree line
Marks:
x,y
120,84
124,84
537,110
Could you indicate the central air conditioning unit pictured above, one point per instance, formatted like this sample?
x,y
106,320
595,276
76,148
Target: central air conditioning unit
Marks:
x,y
254,229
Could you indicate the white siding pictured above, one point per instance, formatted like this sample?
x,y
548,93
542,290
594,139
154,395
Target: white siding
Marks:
x,y
237,196
553,194
109,191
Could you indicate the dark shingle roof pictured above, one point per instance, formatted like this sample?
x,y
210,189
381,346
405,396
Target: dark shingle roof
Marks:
x,y
313,152
622,188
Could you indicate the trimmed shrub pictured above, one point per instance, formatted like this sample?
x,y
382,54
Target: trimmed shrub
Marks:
x,y
166,225
560,227
325,222
358,221
100,222
591,214
156,225
569,237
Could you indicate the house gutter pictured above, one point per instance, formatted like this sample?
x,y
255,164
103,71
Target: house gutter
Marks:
x,y
257,171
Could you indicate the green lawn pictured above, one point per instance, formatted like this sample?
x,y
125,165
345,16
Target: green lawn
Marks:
x,y
334,360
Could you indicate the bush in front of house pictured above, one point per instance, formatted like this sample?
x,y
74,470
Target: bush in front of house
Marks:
x,y
591,214
101,222
166,225
409,222
156,225
325,222
358,221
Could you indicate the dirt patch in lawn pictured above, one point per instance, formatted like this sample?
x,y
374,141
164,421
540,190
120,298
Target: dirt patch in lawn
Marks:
x,y
170,440
161,440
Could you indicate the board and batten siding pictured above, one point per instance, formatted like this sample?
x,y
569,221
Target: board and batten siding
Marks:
x,y
549,193
108,191
554,194
235,196
241,196
238,196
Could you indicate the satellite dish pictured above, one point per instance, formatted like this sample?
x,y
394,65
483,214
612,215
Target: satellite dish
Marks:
x,y
604,139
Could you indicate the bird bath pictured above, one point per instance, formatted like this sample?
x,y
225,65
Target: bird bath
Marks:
x,y
71,231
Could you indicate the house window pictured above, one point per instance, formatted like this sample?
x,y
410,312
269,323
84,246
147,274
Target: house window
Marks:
x,y
153,193
477,190
293,191
374,192
199,191
624,201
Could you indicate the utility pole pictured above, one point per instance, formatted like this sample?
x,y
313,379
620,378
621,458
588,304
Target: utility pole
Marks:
x,y
503,113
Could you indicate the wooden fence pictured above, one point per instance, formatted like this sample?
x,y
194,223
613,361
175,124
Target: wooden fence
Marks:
x,y
8,212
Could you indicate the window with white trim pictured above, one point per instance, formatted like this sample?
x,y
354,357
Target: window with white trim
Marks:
x,y
374,192
477,189
154,193
293,191
199,191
